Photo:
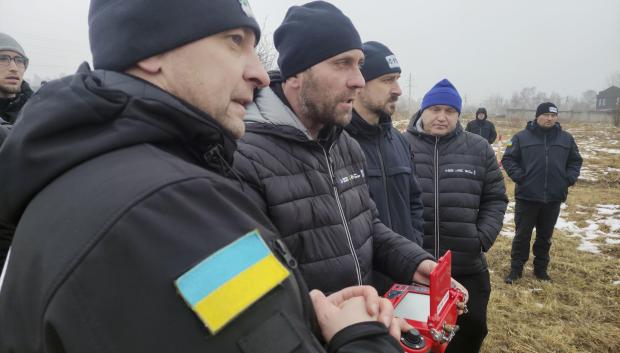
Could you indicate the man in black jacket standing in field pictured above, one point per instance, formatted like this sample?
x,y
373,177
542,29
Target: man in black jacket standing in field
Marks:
x,y
464,201
130,233
543,160
308,171
482,126
389,167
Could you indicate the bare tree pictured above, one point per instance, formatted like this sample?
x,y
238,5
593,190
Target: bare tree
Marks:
x,y
266,50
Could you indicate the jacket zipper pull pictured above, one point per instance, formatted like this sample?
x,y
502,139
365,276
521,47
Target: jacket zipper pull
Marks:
x,y
282,249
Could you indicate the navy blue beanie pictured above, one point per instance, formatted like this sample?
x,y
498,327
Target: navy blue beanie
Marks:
x,y
312,33
378,61
123,32
443,93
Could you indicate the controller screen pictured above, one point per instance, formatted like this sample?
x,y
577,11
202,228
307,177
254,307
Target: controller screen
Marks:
x,y
414,306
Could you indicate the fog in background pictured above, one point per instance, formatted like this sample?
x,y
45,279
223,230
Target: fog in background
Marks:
x,y
490,50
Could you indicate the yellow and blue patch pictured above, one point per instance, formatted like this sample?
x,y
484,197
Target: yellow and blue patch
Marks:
x,y
509,143
226,283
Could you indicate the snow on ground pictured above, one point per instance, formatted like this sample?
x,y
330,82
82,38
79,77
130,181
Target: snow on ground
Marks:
x,y
608,215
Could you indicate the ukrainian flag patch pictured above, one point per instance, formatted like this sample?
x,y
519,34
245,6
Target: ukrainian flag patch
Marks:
x,y
509,143
226,283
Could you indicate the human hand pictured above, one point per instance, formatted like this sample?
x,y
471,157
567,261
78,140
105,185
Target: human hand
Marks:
x,y
461,307
375,305
423,272
333,318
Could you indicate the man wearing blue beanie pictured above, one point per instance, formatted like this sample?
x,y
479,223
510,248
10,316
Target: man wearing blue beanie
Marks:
x,y
130,234
464,201
308,171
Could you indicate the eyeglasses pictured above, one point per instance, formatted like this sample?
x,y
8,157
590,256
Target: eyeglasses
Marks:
x,y
20,61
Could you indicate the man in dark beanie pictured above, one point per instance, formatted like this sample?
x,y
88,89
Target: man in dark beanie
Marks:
x,y
388,170
130,234
464,200
14,91
308,171
544,161
482,126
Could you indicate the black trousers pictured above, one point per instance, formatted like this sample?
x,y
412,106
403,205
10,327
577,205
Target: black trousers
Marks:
x,y
529,214
473,325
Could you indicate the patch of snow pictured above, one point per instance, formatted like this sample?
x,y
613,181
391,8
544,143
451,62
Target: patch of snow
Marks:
x,y
616,283
612,241
588,246
609,150
612,223
539,305
607,209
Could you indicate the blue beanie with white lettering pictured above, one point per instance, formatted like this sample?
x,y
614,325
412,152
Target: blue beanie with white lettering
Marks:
x,y
443,93
124,32
378,61
313,33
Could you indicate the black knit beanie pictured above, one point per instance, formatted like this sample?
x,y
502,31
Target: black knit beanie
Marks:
x,y
547,107
312,33
378,61
123,32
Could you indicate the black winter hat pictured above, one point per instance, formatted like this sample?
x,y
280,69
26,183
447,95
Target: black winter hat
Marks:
x,y
123,32
312,33
547,107
378,60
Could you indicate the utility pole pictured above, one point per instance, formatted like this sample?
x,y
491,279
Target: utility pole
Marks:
x,y
409,101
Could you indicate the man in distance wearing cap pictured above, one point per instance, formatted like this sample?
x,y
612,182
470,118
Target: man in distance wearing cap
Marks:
x,y
544,161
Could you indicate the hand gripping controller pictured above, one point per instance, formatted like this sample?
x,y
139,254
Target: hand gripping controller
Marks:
x,y
430,310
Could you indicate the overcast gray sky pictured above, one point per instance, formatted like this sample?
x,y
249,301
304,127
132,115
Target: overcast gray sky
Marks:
x,y
484,47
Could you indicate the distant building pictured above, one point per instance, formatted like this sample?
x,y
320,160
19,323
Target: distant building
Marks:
x,y
608,99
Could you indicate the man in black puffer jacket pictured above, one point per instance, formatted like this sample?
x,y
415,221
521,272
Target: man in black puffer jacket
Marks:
x,y
131,233
482,126
543,160
309,172
464,201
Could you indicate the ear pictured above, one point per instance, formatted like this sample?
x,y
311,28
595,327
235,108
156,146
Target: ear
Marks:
x,y
294,81
151,65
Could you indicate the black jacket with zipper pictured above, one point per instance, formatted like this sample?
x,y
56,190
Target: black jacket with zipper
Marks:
x,y
126,191
463,194
315,193
389,174
484,128
542,162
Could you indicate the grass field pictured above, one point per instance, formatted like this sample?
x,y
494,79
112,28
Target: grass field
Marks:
x,y
579,311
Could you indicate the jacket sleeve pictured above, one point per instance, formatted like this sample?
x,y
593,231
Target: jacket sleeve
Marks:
x,y
493,202
511,161
365,337
127,280
468,128
493,133
573,164
416,207
393,254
